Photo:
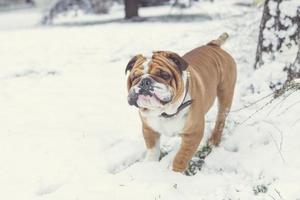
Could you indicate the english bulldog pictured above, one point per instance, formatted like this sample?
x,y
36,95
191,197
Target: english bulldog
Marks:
x,y
173,94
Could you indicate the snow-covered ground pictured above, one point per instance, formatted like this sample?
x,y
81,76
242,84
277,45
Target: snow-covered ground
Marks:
x,y
67,132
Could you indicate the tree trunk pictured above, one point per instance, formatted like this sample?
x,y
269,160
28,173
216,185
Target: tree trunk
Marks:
x,y
265,17
131,8
279,36
101,6
297,60
293,70
279,29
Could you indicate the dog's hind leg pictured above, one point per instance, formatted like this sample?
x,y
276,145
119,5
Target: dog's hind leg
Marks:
x,y
225,96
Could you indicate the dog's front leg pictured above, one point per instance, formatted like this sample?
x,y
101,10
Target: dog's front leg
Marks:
x,y
189,145
152,140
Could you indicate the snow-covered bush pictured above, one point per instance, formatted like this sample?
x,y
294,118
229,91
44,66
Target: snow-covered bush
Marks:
x,y
87,6
101,6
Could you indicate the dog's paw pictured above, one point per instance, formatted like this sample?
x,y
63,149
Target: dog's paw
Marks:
x,y
152,156
180,164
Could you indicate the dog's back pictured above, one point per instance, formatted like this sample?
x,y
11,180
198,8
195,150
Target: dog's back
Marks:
x,y
214,66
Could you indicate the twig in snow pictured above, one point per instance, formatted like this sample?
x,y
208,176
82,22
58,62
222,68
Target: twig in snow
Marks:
x,y
277,147
298,120
292,85
281,134
253,103
280,102
278,193
272,197
288,108
261,108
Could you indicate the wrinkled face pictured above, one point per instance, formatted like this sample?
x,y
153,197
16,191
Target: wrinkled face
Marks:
x,y
154,83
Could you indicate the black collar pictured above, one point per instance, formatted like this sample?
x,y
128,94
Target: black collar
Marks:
x,y
183,105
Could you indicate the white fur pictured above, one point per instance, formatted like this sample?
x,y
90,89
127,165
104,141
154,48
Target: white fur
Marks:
x,y
146,67
154,153
168,126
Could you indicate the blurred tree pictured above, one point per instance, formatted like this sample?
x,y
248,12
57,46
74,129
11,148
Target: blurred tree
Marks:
x,y
63,6
131,8
30,2
95,6
88,6
15,2
279,35
101,6
258,2
145,3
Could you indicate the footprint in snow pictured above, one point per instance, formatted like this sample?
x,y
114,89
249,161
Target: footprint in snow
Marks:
x,y
48,189
125,153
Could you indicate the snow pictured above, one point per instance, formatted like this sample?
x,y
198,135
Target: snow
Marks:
x,y
67,132
289,8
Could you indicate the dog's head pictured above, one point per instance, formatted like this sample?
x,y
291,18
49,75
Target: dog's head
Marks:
x,y
153,83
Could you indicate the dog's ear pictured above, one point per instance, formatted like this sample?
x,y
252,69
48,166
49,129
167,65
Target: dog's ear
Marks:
x,y
132,62
180,63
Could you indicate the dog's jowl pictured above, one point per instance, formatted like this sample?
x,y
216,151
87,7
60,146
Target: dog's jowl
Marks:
x,y
173,94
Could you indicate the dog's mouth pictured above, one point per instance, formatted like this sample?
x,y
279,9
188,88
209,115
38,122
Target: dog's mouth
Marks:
x,y
162,101
154,97
147,99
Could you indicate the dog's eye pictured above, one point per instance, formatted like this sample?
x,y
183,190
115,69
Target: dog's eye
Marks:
x,y
164,75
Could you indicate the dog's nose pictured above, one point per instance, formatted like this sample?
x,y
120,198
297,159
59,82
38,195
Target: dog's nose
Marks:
x,y
146,84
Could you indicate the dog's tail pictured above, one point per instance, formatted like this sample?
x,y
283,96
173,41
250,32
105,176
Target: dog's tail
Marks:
x,y
220,41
